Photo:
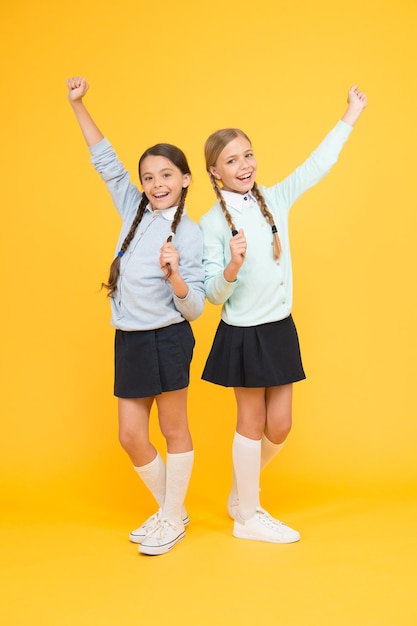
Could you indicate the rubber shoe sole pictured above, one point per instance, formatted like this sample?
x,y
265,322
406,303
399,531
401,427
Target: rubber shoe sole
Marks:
x,y
162,538
261,527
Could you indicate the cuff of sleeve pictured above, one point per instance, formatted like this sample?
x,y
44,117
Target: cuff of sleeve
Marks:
x,y
99,147
229,282
344,127
185,298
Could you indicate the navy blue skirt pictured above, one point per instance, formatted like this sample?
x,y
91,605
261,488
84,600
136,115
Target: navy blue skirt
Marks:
x,y
266,355
149,362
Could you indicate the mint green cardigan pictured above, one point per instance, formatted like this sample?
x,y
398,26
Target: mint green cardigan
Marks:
x,y
263,290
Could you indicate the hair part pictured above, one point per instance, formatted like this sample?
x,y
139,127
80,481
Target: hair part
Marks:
x,y
218,141
170,152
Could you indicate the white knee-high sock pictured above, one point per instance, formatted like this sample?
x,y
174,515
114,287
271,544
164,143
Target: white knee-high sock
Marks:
x,y
268,451
247,467
154,476
178,474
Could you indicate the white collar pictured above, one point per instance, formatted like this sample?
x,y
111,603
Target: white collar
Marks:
x,y
167,214
238,201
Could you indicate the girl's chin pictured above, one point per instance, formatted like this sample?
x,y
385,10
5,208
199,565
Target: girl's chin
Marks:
x,y
240,188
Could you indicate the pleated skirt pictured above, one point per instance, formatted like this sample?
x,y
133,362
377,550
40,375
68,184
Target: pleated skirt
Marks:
x,y
266,355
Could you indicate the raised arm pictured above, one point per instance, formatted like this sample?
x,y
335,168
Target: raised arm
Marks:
x,y
357,101
77,88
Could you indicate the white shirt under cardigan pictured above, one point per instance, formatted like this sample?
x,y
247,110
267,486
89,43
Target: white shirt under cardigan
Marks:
x,y
263,290
144,300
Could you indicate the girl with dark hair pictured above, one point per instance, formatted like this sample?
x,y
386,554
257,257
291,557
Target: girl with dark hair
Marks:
x,y
248,271
155,288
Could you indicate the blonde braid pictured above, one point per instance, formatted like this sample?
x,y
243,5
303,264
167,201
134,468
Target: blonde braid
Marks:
x,y
269,218
222,203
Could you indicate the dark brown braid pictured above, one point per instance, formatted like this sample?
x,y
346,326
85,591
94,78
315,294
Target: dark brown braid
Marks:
x,y
175,222
178,158
179,211
111,285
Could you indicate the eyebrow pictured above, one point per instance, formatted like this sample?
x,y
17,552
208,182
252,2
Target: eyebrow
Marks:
x,y
165,169
232,156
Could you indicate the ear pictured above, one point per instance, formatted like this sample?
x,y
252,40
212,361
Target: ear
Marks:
x,y
214,173
186,180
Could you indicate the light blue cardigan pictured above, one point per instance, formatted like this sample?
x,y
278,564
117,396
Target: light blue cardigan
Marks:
x,y
144,300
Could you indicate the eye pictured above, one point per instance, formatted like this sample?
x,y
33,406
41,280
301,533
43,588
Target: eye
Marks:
x,y
147,178
249,155
167,175
231,161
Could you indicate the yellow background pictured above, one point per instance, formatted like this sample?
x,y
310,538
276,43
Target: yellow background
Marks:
x,y
174,72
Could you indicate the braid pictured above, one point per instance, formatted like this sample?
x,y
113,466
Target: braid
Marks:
x,y
111,285
222,203
269,218
175,222
213,147
179,211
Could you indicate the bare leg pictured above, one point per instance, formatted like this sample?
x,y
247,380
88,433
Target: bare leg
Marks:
x,y
278,413
134,429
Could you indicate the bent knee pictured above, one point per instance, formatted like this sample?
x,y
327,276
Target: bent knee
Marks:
x,y
277,433
129,439
175,434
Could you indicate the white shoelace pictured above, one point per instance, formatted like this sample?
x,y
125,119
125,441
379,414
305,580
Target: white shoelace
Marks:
x,y
268,520
161,528
269,517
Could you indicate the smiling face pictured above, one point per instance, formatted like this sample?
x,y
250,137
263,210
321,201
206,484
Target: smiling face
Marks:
x,y
162,181
236,166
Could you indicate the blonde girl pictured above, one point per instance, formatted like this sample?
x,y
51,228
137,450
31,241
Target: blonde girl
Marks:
x,y
248,271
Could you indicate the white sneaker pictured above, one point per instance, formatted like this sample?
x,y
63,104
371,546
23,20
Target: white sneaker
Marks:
x,y
162,537
139,534
263,527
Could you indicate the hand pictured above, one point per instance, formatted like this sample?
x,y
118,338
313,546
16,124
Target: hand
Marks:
x,y
238,248
357,98
238,253
77,88
357,101
169,257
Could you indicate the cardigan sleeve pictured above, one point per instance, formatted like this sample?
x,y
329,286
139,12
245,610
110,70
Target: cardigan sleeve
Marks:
x,y
216,256
192,272
309,173
125,195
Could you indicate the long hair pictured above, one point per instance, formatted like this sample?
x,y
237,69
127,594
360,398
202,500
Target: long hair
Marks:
x,y
212,150
178,158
